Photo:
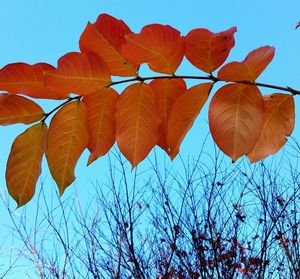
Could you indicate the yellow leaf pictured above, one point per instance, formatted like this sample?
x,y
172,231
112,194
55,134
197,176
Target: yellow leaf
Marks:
x,y
137,122
279,122
17,109
236,114
166,92
24,163
183,114
101,108
66,140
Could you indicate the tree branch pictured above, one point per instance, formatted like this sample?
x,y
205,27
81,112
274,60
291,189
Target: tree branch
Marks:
x,y
207,78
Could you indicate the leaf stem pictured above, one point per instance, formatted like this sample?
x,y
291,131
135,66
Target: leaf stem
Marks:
x,y
210,77
59,106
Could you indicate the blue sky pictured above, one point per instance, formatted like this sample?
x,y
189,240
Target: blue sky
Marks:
x,y
42,31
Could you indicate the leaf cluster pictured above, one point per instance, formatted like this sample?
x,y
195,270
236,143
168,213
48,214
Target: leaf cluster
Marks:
x,y
241,120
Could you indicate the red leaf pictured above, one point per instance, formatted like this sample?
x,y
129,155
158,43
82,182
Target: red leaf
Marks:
x,y
236,115
183,114
250,69
105,38
166,92
17,109
24,163
279,122
80,73
206,50
101,108
137,122
66,140
161,46
21,78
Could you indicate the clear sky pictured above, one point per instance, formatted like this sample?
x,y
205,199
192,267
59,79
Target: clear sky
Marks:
x,y
41,31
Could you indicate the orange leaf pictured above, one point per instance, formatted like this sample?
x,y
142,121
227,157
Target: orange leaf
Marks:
x,y
24,163
236,115
206,50
137,122
183,114
166,92
17,109
66,140
80,73
161,46
21,78
104,38
279,122
250,69
101,108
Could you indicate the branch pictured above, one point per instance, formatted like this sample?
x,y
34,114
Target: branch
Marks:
x,y
207,78
59,106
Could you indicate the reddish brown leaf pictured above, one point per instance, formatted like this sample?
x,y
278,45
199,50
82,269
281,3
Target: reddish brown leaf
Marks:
x,y
161,46
279,122
250,69
206,50
104,38
79,73
21,78
17,109
137,122
183,114
66,140
166,92
101,108
24,163
236,115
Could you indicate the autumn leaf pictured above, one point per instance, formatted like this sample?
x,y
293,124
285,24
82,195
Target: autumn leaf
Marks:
x,y
22,78
183,114
101,108
207,50
137,122
105,38
236,115
66,140
24,163
79,73
161,46
17,109
278,123
249,69
166,92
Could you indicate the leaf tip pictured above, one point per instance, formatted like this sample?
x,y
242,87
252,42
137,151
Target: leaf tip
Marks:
x,y
91,159
173,154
